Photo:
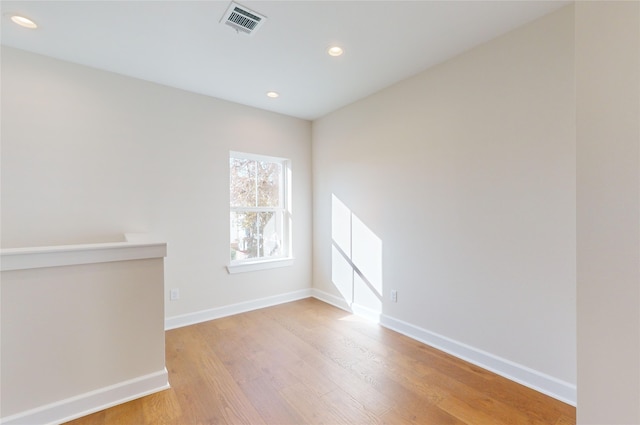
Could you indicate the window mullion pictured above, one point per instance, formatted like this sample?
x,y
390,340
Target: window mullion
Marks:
x,y
256,179
258,236
260,242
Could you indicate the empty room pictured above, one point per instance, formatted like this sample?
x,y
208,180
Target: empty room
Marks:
x,y
320,212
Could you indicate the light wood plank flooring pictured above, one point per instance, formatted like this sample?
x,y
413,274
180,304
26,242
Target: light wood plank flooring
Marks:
x,y
309,363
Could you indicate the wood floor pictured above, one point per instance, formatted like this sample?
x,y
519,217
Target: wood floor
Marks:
x,y
309,363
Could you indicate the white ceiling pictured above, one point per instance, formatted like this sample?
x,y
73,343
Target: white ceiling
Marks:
x,y
182,44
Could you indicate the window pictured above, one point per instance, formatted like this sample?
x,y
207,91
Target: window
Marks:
x,y
259,219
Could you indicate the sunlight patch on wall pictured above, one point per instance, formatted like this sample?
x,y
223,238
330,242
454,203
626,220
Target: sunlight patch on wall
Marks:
x,y
366,253
356,260
340,225
342,274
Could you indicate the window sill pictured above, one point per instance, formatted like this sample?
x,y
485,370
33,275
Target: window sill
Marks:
x,y
259,265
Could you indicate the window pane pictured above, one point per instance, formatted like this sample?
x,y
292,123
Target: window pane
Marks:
x,y
242,182
269,183
271,238
244,235
256,235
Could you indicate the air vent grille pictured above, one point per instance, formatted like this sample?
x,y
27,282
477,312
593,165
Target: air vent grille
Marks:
x,y
243,19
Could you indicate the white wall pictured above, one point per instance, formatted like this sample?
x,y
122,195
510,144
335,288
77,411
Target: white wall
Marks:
x,y
608,199
89,155
78,337
463,177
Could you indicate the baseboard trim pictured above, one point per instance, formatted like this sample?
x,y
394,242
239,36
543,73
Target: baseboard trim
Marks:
x,y
90,402
331,299
536,380
341,303
366,313
229,310
553,387
528,377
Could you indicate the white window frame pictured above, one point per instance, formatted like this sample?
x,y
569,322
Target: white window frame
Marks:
x,y
286,258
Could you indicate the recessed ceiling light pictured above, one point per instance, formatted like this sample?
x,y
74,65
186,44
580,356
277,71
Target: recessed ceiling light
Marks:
x,y
273,94
24,22
335,51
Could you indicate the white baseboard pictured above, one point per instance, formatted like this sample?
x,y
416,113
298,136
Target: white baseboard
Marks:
x,y
536,380
93,401
366,313
229,310
331,299
553,387
341,303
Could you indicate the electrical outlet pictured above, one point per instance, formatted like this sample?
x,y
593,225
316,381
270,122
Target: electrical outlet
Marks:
x,y
394,295
174,294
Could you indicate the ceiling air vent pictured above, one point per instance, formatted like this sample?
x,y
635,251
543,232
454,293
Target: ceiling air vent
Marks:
x,y
243,19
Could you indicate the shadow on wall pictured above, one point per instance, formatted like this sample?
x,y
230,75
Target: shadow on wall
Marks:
x,y
356,261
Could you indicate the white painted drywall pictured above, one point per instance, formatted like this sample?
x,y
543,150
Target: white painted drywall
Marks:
x,y
608,200
464,175
72,330
89,155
